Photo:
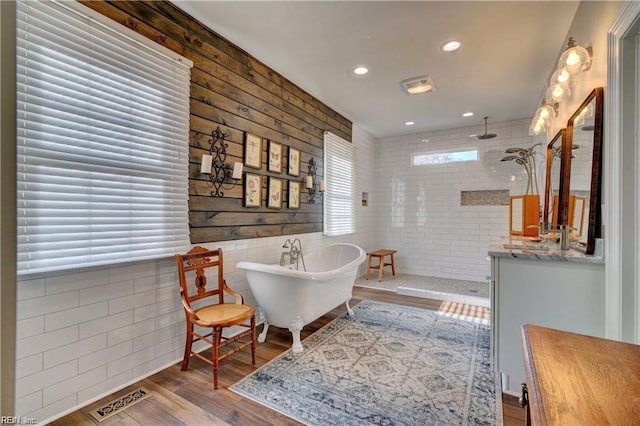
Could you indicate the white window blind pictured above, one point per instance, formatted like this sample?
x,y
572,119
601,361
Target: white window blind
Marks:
x,y
339,172
103,130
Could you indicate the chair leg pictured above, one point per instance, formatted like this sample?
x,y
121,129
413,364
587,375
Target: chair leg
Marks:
x,y
187,346
253,340
215,337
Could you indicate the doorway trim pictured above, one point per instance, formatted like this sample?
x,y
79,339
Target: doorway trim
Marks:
x,y
615,246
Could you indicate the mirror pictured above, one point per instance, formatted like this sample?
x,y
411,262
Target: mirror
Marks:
x,y
552,206
577,208
584,162
524,215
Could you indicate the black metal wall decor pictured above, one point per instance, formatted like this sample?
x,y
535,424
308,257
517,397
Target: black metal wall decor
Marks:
x,y
219,173
314,187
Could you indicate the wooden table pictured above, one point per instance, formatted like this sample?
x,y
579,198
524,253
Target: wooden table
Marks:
x,y
380,255
575,379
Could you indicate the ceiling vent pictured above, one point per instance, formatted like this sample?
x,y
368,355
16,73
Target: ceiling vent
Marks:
x,y
418,85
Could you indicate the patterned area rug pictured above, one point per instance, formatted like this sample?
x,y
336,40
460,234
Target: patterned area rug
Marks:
x,y
388,365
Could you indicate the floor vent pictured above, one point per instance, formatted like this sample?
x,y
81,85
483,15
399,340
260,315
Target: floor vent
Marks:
x,y
120,404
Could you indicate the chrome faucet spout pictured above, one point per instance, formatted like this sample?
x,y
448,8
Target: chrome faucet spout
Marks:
x,y
294,253
564,239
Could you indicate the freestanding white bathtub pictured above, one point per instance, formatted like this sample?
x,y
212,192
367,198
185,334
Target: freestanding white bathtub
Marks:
x,y
293,298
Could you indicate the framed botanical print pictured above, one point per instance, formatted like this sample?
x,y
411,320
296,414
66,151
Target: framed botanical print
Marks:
x,y
274,195
294,162
252,150
294,194
275,157
252,190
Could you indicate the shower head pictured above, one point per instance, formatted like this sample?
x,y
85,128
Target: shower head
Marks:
x,y
514,150
486,134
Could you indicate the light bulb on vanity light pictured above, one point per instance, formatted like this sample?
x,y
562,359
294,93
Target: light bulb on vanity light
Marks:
x,y
543,113
557,92
575,58
560,76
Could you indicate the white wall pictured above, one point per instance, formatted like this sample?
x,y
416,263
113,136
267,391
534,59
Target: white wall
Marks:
x,y
418,209
83,335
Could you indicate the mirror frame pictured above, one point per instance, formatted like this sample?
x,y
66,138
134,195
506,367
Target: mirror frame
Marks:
x,y
595,196
561,137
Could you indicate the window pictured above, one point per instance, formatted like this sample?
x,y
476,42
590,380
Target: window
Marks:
x,y
103,128
339,172
425,158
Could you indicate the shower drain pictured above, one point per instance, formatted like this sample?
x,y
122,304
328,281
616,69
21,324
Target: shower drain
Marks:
x,y
120,404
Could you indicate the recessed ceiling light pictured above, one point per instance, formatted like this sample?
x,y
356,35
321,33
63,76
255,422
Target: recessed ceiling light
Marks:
x,y
425,140
409,123
467,114
450,46
360,70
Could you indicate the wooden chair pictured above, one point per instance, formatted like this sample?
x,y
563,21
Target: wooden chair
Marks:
x,y
217,315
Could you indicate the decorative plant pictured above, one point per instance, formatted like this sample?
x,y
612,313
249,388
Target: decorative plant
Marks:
x,y
526,158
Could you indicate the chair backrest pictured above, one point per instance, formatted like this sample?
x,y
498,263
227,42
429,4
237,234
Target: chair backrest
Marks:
x,y
200,259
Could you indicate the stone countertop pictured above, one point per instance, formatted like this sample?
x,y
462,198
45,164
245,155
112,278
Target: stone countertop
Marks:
x,y
532,249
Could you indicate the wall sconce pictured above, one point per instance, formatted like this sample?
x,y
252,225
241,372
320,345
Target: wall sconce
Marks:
x,y
575,58
543,117
212,164
311,182
557,92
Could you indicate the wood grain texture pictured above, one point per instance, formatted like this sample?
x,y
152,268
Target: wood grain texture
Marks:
x,y
187,398
575,379
234,91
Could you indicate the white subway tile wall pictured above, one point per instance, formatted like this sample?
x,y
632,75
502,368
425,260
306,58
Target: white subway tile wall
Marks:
x,y
418,209
84,335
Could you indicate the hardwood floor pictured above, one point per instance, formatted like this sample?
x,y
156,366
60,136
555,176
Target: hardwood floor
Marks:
x,y
188,397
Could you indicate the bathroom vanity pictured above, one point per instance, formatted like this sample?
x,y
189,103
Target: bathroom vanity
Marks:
x,y
598,386
536,283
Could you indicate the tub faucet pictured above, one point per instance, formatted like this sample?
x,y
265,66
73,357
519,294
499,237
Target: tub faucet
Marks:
x,y
294,253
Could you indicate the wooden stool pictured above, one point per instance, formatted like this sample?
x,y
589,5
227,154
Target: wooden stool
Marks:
x,y
380,254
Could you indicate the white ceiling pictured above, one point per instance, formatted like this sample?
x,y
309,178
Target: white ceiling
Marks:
x,y
509,49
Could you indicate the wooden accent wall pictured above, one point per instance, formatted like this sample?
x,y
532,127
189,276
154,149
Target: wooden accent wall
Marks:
x,y
234,91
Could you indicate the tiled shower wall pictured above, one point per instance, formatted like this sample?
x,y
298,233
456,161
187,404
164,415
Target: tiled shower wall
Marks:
x,y
418,209
83,335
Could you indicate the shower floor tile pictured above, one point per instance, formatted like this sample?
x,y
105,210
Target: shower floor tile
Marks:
x,y
469,292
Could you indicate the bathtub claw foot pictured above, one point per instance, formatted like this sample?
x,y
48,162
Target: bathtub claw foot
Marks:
x,y
349,310
295,329
263,335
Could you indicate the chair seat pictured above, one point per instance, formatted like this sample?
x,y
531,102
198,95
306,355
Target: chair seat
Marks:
x,y
225,313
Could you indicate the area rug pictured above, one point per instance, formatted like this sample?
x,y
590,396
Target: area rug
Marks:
x,y
386,365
